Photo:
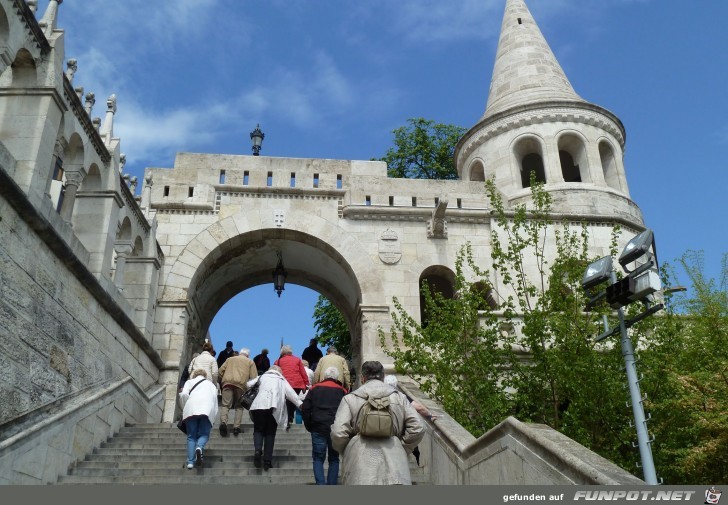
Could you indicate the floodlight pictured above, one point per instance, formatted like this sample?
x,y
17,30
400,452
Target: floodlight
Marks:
x,y
636,248
597,272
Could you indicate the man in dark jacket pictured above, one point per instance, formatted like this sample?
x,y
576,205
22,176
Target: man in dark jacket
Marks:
x,y
262,363
319,410
225,354
312,354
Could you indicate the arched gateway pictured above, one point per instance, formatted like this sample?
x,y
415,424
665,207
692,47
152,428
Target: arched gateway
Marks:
x,y
342,228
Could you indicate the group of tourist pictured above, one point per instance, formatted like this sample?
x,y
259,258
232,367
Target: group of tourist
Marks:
x,y
317,386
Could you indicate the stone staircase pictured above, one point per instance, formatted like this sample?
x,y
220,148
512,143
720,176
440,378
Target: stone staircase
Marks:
x,y
156,454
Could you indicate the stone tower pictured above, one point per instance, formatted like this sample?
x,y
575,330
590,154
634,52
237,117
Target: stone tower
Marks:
x,y
535,123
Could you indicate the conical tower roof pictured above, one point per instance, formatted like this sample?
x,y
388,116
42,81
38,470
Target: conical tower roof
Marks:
x,y
525,70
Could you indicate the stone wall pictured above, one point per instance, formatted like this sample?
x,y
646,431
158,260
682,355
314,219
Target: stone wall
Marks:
x,y
62,332
511,453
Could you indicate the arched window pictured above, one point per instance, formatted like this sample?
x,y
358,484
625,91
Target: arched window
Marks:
x,y
529,157
437,279
532,163
24,71
477,171
485,295
569,169
609,165
572,156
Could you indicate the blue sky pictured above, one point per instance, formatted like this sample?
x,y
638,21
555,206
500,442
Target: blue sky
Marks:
x,y
332,79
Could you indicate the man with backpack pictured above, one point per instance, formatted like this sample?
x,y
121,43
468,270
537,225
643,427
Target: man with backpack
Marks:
x,y
375,423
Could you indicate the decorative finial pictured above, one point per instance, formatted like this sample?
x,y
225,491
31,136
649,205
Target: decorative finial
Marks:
x,y
90,101
111,104
48,22
79,92
133,184
96,122
122,162
72,66
33,5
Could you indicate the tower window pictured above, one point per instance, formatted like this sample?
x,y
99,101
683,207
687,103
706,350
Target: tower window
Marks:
x,y
339,181
391,201
190,191
166,191
520,22
414,201
437,200
246,178
315,180
460,203
269,180
293,179
368,200
222,176
532,163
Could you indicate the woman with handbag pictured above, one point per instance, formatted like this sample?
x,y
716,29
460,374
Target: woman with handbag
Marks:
x,y
268,412
199,400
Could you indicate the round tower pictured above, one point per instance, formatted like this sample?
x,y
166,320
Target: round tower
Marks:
x,y
536,125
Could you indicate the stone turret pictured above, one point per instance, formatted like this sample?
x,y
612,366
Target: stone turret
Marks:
x,y
536,125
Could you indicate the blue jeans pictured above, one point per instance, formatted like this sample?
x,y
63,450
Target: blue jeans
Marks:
x,y
321,444
198,433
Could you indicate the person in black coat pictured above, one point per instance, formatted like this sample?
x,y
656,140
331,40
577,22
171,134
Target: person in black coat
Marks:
x,y
312,354
225,354
319,410
262,363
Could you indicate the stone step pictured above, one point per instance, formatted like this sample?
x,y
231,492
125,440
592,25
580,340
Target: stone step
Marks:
x,y
157,454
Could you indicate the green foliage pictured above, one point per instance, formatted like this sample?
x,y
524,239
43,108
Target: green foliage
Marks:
x,y
454,360
331,327
423,150
685,362
531,357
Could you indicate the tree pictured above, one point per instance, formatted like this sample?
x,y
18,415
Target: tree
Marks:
x,y
423,150
331,326
685,362
532,356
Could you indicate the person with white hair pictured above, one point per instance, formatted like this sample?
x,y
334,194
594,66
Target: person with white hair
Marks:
x,y
332,358
294,372
199,402
319,410
234,375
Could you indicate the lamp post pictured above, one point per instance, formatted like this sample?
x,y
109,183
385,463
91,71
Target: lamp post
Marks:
x,y
279,276
638,285
256,138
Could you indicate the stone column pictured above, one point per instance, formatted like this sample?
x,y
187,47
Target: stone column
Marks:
x,y
371,318
123,249
147,193
594,162
74,179
552,162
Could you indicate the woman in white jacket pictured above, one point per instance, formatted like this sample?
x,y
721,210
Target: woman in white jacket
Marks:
x,y
205,361
199,399
269,412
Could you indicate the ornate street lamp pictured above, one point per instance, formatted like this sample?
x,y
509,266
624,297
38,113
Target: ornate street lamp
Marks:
x,y
279,276
256,138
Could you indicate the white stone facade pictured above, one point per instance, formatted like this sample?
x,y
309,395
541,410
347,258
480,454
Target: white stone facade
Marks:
x,y
104,291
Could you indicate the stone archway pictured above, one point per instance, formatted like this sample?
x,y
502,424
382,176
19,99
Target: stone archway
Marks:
x,y
239,252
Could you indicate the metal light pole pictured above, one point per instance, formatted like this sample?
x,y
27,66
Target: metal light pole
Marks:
x,y
643,439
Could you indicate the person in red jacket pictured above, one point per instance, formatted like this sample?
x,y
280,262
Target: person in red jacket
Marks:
x,y
295,373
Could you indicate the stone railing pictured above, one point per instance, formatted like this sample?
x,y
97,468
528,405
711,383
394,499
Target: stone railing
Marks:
x,y
45,443
512,453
